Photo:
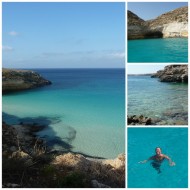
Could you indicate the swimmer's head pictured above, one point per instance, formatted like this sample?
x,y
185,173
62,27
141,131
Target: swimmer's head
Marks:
x,y
158,150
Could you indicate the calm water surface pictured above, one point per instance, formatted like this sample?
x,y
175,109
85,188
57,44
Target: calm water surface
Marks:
x,y
84,109
165,102
173,50
141,145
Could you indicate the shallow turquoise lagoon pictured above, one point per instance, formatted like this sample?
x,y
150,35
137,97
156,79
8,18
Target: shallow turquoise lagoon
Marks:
x,y
173,50
141,145
167,103
84,109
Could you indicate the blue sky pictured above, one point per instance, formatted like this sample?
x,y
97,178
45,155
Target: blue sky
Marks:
x,y
144,69
150,10
63,35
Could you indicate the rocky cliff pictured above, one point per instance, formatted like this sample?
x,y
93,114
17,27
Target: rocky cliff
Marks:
x,y
170,24
173,73
15,80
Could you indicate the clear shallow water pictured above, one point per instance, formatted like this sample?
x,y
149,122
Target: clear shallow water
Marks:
x,y
83,107
167,102
173,50
141,145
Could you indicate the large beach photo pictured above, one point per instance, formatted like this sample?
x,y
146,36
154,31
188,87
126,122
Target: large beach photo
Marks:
x,y
157,32
63,103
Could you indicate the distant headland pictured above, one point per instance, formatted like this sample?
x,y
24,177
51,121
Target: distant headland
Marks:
x,y
16,80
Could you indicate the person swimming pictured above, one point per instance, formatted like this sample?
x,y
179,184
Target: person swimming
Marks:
x,y
158,158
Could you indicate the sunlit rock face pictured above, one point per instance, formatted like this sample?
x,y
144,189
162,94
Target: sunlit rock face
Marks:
x,y
168,25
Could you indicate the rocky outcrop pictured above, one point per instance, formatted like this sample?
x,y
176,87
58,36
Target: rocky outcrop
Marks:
x,y
136,26
15,80
170,24
139,120
108,173
173,73
24,152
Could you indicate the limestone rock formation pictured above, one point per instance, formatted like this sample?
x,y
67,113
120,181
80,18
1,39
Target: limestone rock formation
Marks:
x,y
173,73
170,24
136,26
15,80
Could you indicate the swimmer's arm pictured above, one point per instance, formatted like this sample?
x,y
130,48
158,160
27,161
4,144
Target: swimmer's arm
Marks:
x,y
144,161
171,163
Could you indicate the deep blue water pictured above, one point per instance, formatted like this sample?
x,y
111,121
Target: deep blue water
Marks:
x,y
167,102
84,108
141,145
169,50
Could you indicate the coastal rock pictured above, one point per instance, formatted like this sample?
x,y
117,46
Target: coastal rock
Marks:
x,y
173,73
104,172
117,163
100,172
15,80
170,24
138,120
136,26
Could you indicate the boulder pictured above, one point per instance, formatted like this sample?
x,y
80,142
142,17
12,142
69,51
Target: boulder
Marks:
x,y
138,120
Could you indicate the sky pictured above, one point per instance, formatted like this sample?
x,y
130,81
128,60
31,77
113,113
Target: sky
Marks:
x,y
151,10
63,35
144,69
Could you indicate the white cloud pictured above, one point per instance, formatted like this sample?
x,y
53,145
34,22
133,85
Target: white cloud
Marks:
x,y
118,54
13,33
7,48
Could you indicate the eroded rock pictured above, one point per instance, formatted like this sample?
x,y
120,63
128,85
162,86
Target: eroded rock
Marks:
x,y
171,24
173,73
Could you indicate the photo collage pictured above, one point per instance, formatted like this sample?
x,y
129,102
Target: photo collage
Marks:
x,y
94,94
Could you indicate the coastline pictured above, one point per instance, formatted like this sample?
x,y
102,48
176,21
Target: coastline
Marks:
x,y
29,161
175,75
21,144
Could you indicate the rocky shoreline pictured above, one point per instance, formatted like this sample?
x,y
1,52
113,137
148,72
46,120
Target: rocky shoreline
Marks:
x,y
170,73
168,25
176,118
21,145
28,162
16,80
173,73
139,120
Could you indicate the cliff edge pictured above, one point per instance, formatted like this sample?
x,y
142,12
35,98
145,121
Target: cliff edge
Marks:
x,y
173,73
171,24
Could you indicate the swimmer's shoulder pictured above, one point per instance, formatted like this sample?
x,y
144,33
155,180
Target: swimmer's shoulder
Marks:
x,y
165,156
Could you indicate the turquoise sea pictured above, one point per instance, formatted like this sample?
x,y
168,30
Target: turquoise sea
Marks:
x,y
167,103
173,50
83,108
141,145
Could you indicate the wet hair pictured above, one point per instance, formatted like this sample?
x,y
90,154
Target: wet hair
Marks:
x,y
159,148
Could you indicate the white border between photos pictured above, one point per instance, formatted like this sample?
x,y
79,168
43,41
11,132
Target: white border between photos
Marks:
x,y
126,69
171,126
